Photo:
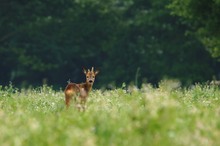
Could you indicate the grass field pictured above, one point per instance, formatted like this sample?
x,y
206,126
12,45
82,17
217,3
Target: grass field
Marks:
x,y
149,116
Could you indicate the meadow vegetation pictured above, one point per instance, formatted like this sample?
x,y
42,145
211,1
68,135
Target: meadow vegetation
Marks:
x,y
167,115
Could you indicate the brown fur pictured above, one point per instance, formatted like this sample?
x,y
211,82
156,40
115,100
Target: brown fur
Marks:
x,y
81,91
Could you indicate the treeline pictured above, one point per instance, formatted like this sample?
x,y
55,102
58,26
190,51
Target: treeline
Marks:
x,y
131,41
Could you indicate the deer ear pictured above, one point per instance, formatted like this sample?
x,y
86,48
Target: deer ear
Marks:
x,y
84,70
96,72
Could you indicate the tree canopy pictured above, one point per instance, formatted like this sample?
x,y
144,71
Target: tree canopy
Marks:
x,y
203,18
128,41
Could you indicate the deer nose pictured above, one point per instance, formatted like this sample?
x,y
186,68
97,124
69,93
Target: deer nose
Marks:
x,y
90,81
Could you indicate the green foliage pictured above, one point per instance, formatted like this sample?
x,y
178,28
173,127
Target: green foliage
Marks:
x,y
129,41
149,116
203,18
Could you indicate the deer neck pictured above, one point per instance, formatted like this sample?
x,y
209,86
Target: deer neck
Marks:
x,y
87,86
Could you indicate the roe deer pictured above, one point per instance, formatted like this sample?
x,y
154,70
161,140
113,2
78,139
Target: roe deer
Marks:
x,y
80,91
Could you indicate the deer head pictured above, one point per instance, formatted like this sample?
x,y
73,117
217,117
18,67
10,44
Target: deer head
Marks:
x,y
90,75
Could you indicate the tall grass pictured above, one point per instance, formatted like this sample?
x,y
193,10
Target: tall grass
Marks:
x,y
164,116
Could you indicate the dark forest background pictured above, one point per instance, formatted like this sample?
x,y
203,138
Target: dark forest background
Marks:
x,y
129,41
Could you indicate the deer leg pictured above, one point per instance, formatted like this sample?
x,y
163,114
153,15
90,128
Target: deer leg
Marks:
x,y
83,104
67,100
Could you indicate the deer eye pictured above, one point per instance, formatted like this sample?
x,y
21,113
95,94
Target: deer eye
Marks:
x,y
93,76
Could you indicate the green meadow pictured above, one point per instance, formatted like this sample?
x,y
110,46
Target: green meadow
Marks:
x,y
165,116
